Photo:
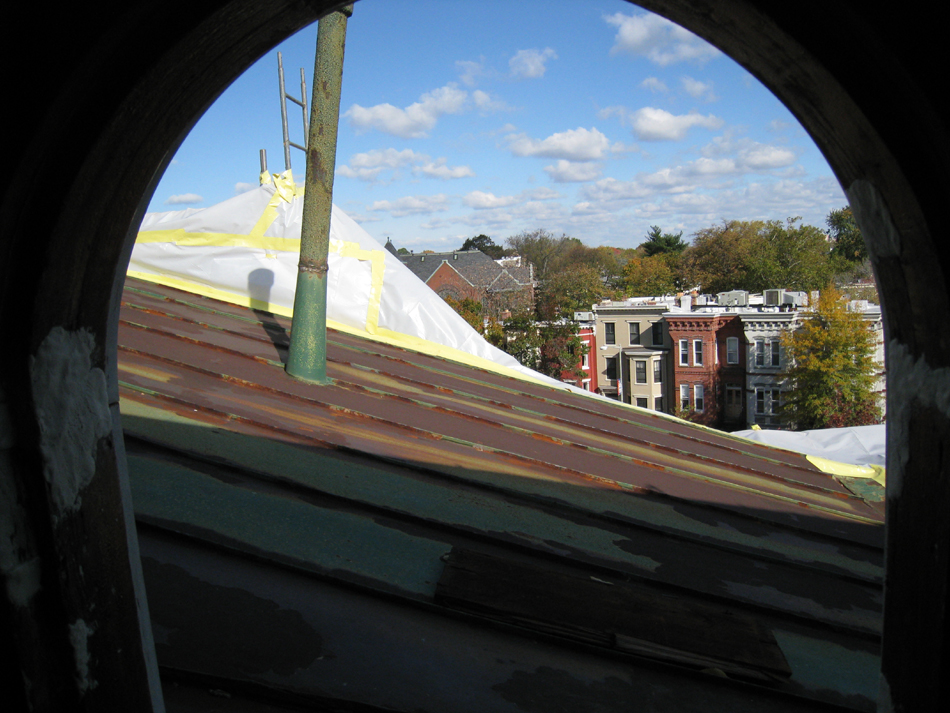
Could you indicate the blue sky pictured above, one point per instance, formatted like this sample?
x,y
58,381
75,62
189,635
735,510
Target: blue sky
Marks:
x,y
591,118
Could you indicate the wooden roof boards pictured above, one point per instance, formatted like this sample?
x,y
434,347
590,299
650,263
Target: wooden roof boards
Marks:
x,y
363,489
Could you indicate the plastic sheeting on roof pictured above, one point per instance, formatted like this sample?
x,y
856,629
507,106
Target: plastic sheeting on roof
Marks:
x,y
858,445
245,251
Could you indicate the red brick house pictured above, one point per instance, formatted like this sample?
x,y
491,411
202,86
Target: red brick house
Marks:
x,y
708,366
499,286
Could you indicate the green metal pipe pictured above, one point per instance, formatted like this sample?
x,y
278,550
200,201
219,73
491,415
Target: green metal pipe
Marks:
x,y
308,337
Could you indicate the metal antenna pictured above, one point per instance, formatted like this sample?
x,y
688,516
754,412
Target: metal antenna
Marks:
x,y
302,103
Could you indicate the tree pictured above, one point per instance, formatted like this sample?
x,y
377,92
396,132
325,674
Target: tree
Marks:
x,y
486,245
470,310
795,257
541,249
831,370
720,256
658,242
647,276
848,241
571,290
759,255
549,346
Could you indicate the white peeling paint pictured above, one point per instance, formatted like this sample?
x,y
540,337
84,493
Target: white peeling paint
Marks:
x,y
72,409
874,219
79,633
912,383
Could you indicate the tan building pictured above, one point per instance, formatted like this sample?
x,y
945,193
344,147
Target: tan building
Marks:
x,y
632,359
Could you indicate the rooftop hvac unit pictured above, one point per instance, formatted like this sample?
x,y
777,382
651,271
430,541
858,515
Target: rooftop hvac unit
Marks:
x,y
736,298
799,299
774,298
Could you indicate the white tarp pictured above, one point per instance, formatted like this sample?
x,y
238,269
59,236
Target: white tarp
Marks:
x,y
245,250
858,445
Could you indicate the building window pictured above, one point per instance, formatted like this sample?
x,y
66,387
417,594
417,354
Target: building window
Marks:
x,y
657,371
634,333
684,397
698,401
610,336
643,402
611,370
697,352
658,403
684,352
768,402
768,352
657,334
585,361
732,350
640,368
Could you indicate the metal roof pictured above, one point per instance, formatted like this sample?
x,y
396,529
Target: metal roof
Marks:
x,y
367,492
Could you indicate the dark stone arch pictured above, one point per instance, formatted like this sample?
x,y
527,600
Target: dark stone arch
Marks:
x,y
110,90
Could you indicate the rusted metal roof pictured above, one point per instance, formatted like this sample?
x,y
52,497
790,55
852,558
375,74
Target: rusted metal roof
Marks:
x,y
373,484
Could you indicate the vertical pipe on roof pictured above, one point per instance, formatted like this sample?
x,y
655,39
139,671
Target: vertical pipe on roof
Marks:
x,y
308,358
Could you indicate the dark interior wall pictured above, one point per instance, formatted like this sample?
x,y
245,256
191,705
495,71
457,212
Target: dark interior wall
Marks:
x,y
99,95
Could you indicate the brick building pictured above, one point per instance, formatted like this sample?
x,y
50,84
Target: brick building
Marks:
x,y
505,285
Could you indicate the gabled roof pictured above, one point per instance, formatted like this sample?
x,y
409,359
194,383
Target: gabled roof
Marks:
x,y
398,514
474,265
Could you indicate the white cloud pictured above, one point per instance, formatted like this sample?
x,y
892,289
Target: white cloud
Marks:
x,y
574,172
480,200
184,199
439,169
412,205
699,90
574,145
651,124
367,166
654,85
244,187
469,71
484,102
530,64
415,120
657,39
761,157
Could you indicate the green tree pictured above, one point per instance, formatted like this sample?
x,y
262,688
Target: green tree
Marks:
x,y
658,242
848,241
759,255
486,245
542,249
831,370
470,310
794,256
720,256
541,341
571,290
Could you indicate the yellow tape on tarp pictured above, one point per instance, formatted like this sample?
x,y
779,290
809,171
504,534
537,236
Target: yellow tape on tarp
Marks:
x,y
286,191
876,473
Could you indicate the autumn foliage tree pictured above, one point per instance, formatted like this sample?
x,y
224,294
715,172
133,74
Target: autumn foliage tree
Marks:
x,y
831,370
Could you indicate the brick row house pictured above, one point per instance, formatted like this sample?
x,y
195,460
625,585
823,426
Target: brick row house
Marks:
x,y
500,286
708,373
718,362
